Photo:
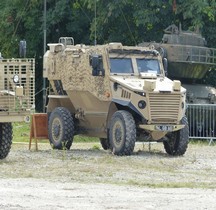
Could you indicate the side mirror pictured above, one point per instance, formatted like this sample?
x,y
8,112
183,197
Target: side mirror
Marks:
x,y
165,64
96,62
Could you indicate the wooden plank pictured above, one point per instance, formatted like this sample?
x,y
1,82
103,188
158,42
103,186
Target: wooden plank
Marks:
x,y
39,128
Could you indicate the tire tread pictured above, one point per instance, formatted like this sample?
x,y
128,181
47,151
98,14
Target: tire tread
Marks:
x,y
130,137
5,139
68,128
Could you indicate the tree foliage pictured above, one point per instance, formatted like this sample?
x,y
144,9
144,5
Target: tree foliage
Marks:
x,y
126,21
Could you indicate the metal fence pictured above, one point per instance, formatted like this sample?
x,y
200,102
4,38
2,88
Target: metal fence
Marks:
x,y
201,120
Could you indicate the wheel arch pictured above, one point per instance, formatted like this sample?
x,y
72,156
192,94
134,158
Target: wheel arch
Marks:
x,y
122,105
60,102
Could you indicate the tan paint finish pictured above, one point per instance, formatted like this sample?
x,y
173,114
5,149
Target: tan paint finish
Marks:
x,y
91,96
17,98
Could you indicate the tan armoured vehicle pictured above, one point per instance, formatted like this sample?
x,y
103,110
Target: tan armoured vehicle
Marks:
x,y
117,93
16,97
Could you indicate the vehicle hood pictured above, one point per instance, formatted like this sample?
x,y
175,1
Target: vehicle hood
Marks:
x,y
161,84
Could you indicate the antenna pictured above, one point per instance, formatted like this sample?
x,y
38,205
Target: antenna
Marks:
x,y
95,41
132,36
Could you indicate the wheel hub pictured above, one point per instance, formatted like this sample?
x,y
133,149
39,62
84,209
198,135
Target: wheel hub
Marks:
x,y
118,135
56,130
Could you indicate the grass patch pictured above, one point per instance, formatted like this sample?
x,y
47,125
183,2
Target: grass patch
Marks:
x,y
21,133
199,142
96,147
191,185
79,138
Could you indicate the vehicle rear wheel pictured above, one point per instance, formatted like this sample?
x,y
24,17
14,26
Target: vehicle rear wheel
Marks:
x,y
122,133
61,128
6,136
105,143
176,143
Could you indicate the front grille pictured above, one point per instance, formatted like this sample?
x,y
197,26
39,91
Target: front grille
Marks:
x,y
164,107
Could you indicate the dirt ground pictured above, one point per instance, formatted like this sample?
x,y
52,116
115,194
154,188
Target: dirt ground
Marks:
x,y
87,177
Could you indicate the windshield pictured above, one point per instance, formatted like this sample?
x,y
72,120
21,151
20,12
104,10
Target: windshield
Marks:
x,y
148,65
121,65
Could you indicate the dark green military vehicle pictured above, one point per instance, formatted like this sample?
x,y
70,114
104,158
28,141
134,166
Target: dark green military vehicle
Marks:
x,y
190,60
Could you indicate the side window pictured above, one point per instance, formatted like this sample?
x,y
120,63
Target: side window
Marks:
x,y
96,61
121,65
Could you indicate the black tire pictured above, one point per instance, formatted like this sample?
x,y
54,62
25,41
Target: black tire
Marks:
x,y
61,128
122,133
105,143
176,143
6,136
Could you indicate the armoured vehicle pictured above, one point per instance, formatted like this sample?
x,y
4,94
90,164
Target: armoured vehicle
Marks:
x,y
190,60
16,97
188,56
117,93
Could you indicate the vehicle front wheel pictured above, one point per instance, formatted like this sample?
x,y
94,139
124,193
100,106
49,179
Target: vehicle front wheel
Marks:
x,y
61,128
6,136
176,143
122,133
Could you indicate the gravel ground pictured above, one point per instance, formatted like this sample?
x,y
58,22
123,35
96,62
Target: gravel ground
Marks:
x,y
87,177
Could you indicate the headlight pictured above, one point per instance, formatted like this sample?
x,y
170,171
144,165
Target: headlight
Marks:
x,y
16,78
141,104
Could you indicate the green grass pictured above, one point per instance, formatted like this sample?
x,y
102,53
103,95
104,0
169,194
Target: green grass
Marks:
x,y
85,139
21,133
171,184
200,142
